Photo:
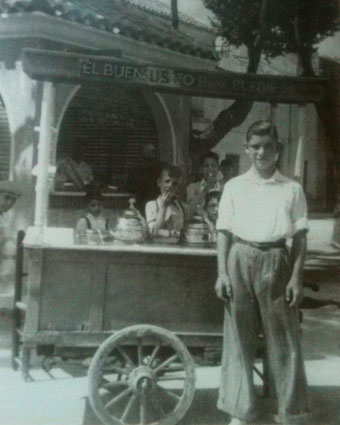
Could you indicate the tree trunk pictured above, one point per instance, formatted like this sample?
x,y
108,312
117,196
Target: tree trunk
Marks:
x,y
229,118
238,111
174,14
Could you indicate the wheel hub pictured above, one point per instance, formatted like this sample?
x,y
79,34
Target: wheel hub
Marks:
x,y
142,380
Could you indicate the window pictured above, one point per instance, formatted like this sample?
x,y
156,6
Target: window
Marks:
x,y
110,126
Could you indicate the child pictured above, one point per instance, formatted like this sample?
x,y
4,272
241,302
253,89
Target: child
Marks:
x,y
166,215
196,192
210,211
94,218
260,282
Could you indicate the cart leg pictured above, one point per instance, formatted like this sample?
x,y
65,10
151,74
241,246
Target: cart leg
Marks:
x,y
26,357
15,342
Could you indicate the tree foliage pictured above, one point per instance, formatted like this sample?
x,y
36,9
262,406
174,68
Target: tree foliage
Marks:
x,y
272,28
285,26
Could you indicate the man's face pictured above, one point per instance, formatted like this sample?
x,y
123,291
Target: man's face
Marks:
x,y
7,200
262,152
169,183
210,169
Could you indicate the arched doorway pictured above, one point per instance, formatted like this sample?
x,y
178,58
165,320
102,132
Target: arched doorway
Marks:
x,y
110,126
5,143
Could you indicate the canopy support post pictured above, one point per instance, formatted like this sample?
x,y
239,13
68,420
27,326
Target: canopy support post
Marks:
x,y
44,147
300,151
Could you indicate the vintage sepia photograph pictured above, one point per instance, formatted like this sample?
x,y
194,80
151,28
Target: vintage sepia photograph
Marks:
x,y
169,212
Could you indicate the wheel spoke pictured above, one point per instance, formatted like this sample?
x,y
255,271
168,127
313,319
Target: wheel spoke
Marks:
x,y
110,360
154,354
170,393
156,403
171,378
126,357
142,409
116,369
165,363
128,407
115,384
174,369
140,352
118,398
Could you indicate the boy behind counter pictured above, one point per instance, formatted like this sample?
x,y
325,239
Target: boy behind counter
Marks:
x,y
94,218
197,191
166,215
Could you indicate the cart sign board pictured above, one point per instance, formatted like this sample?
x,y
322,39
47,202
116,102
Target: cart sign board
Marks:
x,y
71,67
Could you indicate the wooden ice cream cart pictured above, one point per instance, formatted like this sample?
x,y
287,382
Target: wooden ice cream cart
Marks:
x,y
151,309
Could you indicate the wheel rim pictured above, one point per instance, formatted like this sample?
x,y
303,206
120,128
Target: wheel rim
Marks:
x,y
141,375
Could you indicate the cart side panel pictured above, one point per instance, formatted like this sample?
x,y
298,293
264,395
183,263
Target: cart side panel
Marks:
x,y
65,296
172,291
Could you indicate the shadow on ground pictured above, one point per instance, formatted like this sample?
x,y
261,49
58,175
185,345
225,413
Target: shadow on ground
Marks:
x,y
324,402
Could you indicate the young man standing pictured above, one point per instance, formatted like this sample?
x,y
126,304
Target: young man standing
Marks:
x,y
260,282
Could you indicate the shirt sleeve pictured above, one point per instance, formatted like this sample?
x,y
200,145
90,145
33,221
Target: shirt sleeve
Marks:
x,y
225,210
299,211
151,213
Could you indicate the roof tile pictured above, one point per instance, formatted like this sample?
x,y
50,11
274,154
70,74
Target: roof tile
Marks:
x,y
149,20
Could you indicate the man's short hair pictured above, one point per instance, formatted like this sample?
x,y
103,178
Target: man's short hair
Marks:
x,y
262,128
209,154
172,170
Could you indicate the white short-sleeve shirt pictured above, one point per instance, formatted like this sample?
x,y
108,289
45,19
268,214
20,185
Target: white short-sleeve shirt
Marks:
x,y
262,210
175,215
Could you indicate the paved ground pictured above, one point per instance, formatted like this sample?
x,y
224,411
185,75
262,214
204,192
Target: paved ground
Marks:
x,y
62,401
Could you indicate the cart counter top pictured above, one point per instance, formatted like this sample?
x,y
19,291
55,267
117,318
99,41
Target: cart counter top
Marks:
x,y
63,239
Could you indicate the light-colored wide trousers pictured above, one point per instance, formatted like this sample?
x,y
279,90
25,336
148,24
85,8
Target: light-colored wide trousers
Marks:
x,y
259,279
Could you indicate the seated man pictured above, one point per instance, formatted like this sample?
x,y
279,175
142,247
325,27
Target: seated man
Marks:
x,y
73,170
166,215
142,180
197,191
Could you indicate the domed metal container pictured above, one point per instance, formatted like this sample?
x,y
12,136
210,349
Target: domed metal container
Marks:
x,y
130,227
197,232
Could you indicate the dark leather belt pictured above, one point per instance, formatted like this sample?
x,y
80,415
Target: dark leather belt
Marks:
x,y
281,243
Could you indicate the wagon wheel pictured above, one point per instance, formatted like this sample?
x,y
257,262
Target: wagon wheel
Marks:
x,y
141,375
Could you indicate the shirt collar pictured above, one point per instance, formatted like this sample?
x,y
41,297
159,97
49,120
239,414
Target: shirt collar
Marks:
x,y
255,178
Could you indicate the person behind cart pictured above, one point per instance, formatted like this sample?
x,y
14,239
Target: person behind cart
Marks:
x,y
197,191
166,215
210,210
228,169
73,172
9,193
93,218
261,282
142,179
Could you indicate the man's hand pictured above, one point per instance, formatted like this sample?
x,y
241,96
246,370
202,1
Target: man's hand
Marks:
x,y
294,292
166,198
223,287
